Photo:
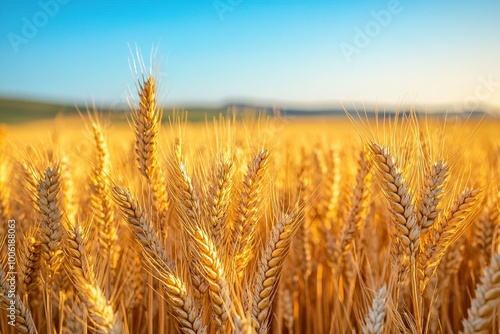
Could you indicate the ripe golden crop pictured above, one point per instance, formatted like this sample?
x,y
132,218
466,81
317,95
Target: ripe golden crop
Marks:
x,y
238,226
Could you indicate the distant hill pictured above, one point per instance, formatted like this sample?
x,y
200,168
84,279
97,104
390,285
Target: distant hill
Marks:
x,y
295,112
18,111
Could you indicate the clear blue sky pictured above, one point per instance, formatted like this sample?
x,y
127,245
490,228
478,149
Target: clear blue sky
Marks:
x,y
283,52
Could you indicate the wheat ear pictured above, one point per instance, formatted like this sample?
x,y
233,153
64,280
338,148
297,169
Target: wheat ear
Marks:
x,y
140,226
29,265
246,212
102,205
374,320
333,178
447,231
486,299
218,199
23,320
74,317
100,199
288,317
80,270
302,245
185,309
189,213
51,231
431,194
215,275
269,270
485,230
68,191
47,200
187,201
133,289
147,120
354,215
4,197
397,192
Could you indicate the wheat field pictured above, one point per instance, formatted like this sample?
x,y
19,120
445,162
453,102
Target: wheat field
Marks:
x,y
253,225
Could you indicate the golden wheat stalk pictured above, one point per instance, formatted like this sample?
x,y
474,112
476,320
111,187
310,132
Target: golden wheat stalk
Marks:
x,y
354,215
141,227
74,318
147,121
333,178
215,274
189,214
431,194
486,299
51,229
375,318
302,243
84,280
269,270
133,272
100,199
187,201
51,232
485,230
29,180
102,206
67,191
23,321
446,272
288,316
247,212
447,231
185,309
5,213
218,199
146,118
397,192
303,248
29,265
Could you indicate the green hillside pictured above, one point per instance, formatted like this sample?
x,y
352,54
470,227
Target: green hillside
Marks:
x,y
18,111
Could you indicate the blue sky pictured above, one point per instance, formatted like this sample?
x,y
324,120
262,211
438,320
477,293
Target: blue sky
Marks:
x,y
279,52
